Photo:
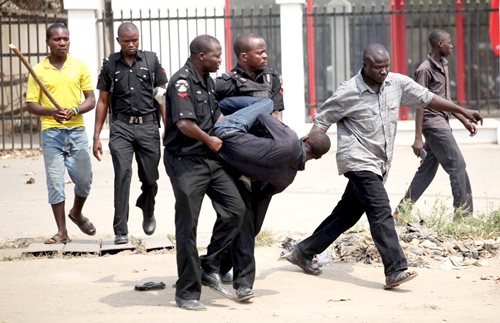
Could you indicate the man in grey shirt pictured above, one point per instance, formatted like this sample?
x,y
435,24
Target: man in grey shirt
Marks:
x,y
440,145
365,109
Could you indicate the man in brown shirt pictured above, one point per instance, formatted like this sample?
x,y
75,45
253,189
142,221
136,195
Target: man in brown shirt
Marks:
x,y
440,146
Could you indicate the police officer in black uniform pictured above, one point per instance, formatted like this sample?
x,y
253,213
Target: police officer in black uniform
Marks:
x,y
126,84
194,171
250,77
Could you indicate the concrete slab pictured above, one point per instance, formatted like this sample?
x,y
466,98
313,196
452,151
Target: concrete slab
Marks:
x,y
109,246
11,253
159,241
39,247
83,246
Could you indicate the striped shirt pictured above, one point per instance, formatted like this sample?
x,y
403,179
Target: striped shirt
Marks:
x,y
367,121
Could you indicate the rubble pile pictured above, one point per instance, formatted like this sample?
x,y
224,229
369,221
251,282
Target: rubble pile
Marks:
x,y
422,246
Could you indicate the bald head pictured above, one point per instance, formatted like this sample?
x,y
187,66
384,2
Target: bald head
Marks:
x,y
126,27
374,50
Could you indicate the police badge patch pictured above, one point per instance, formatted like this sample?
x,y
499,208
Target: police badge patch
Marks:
x,y
182,87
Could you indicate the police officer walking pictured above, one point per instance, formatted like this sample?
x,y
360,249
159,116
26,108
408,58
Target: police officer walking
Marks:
x,y
126,84
253,79
194,171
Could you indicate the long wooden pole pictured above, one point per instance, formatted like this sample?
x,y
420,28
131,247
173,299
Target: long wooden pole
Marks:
x,y
35,77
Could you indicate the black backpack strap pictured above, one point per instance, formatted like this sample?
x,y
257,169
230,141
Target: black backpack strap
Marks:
x,y
151,63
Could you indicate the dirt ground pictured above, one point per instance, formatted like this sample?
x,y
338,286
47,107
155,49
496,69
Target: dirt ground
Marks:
x,y
101,289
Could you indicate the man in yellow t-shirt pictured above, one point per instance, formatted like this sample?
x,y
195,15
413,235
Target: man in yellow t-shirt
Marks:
x,y
63,138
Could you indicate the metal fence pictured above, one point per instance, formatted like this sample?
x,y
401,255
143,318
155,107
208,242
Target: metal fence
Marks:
x,y
339,35
473,66
26,30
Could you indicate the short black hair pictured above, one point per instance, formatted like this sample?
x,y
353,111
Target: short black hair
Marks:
x,y
436,36
125,27
242,43
202,43
319,142
55,26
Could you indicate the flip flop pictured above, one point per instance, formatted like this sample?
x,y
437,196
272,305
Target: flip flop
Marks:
x,y
85,225
308,266
57,238
398,278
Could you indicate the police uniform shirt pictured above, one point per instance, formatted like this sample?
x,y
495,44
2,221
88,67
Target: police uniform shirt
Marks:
x,y
188,98
227,86
133,86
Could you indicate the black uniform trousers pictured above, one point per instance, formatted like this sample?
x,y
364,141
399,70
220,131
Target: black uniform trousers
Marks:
x,y
365,192
241,254
125,139
192,177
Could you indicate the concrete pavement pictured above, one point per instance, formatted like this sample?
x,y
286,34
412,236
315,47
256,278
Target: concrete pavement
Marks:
x,y
25,213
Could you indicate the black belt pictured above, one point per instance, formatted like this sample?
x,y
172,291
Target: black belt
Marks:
x,y
135,119
225,133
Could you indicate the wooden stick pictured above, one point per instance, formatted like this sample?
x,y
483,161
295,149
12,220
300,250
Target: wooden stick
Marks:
x,y
35,77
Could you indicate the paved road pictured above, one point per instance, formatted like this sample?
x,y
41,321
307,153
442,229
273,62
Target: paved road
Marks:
x,y
24,211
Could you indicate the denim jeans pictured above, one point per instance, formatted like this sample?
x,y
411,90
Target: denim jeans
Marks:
x,y
66,148
246,108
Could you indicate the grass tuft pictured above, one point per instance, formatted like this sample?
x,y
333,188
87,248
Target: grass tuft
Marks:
x,y
451,222
265,238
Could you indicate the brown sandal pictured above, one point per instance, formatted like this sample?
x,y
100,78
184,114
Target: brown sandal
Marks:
x,y
85,225
57,238
398,278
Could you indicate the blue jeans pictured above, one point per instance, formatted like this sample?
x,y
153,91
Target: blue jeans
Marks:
x,y
245,108
66,149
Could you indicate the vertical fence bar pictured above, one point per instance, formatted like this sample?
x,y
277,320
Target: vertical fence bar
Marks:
x,y
19,66
11,80
459,52
160,51
2,100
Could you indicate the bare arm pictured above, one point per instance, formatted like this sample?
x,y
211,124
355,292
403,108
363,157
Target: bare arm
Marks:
x,y
190,129
418,144
468,125
440,104
36,109
100,116
314,128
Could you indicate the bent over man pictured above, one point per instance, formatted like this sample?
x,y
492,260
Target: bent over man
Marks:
x,y
63,138
194,170
126,84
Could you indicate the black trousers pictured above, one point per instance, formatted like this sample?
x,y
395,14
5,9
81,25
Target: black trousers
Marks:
x,y
365,192
442,149
241,254
125,139
192,177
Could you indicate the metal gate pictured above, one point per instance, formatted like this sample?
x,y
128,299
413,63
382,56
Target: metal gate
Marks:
x,y
26,30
